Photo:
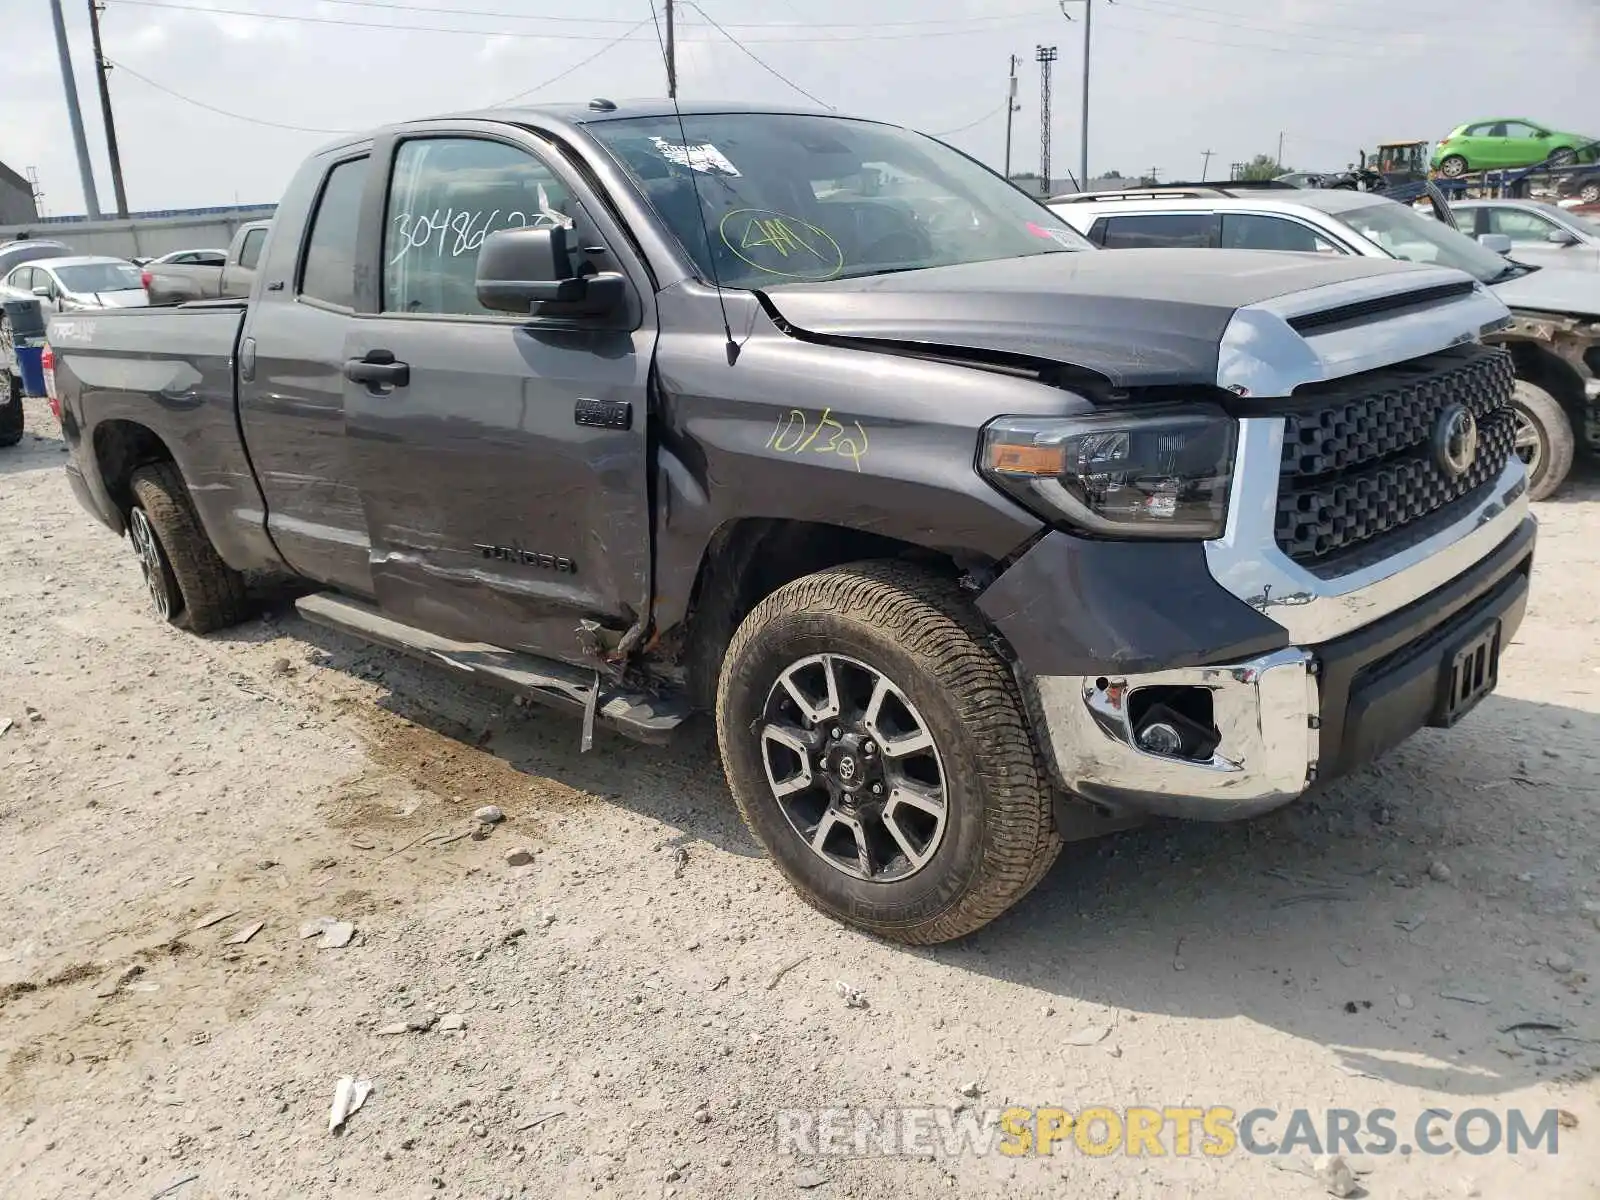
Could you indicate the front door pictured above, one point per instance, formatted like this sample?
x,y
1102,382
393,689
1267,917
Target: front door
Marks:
x,y
494,513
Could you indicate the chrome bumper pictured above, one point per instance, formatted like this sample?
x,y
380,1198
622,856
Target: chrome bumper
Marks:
x,y
1266,711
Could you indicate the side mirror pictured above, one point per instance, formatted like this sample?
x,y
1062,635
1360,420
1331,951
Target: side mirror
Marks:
x,y
1561,237
42,291
1498,242
524,270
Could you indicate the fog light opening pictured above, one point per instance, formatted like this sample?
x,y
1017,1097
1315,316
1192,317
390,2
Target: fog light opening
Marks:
x,y
1174,722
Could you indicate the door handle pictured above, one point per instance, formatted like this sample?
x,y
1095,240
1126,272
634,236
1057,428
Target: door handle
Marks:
x,y
378,368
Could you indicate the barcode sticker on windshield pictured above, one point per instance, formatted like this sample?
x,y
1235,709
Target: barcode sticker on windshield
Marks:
x,y
697,156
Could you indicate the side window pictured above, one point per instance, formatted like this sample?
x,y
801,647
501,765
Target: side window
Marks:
x,y
183,259
328,272
209,259
21,279
250,252
1250,231
1518,129
1193,230
1518,225
1498,130
445,196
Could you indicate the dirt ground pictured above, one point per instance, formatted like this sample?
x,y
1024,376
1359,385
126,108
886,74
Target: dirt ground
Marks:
x,y
627,1025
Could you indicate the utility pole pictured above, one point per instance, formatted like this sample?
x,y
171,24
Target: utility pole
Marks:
x,y
1045,56
1012,107
1279,160
69,85
1083,131
101,70
672,57
1205,166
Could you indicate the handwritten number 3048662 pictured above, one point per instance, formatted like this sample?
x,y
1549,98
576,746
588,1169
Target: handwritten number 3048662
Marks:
x,y
796,433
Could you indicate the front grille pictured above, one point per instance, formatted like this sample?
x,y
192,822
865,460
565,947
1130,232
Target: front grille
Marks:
x,y
1359,470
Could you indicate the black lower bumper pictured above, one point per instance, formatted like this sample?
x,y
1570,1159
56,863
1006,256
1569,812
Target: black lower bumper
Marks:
x,y
1386,681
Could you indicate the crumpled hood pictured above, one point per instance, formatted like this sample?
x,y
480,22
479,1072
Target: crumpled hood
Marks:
x,y
1553,290
1140,318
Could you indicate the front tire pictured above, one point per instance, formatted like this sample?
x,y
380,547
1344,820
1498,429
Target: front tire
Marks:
x,y
1545,440
877,748
188,582
1453,167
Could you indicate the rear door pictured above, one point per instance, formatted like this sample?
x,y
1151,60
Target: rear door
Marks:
x,y
494,515
291,375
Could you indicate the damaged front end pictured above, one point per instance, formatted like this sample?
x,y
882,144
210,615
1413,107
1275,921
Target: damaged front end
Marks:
x,y
1572,340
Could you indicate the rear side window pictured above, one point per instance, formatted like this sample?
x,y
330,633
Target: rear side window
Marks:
x,y
250,252
1252,231
328,273
446,195
1191,230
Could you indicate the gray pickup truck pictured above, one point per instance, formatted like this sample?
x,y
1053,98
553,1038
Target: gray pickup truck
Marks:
x,y
971,537
186,275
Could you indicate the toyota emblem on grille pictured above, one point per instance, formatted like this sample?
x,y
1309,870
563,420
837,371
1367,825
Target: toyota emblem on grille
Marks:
x,y
1455,440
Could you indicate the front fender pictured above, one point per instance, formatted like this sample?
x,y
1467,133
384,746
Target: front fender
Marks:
x,y
863,440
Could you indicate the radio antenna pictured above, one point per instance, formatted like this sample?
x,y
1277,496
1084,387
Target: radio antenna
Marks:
x,y
699,207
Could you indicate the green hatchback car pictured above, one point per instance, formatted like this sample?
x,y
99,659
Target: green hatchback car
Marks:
x,y
1507,142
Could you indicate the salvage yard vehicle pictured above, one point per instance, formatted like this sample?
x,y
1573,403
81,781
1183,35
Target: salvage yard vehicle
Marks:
x,y
1554,338
1508,142
75,283
1542,235
971,537
207,274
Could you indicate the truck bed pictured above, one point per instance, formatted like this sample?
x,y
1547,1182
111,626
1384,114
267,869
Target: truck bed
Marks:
x,y
168,371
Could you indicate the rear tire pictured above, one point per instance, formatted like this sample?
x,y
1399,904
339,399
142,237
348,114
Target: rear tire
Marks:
x,y
1563,157
1589,193
189,584
1545,440
1453,167
930,872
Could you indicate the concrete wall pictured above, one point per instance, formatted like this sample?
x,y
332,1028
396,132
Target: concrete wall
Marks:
x,y
145,235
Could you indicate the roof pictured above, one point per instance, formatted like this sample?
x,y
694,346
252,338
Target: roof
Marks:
x,y
584,114
1322,200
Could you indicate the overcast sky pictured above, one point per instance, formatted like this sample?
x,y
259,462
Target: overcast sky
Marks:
x,y
1172,78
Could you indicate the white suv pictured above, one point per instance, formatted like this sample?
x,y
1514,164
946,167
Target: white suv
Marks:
x,y
1554,338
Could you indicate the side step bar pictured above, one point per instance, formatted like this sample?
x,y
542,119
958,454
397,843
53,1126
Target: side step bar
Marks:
x,y
637,715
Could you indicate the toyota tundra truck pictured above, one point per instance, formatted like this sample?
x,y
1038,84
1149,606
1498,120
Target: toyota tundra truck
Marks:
x,y
970,537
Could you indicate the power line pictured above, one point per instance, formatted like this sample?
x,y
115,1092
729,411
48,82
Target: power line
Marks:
x,y
766,66
222,112
351,23
582,62
993,112
520,16
1258,47
1412,16
266,16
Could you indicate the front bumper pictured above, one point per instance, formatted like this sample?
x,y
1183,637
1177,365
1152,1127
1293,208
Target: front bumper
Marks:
x,y
1286,718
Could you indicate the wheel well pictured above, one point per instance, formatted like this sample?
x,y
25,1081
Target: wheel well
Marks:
x,y
1538,366
746,561
120,449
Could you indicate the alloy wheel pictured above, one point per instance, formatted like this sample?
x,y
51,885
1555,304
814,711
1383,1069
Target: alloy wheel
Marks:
x,y
1529,445
151,566
854,767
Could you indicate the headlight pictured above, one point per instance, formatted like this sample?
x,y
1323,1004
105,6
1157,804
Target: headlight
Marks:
x,y
1160,472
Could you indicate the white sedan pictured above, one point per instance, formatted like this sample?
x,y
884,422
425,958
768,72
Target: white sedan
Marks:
x,y
75,283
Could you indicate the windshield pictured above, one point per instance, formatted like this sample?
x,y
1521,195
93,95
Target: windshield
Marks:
x,y
1406,233
784,198
100,277
1578,221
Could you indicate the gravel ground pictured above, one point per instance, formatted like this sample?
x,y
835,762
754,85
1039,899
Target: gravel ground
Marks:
x,y
633,1006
